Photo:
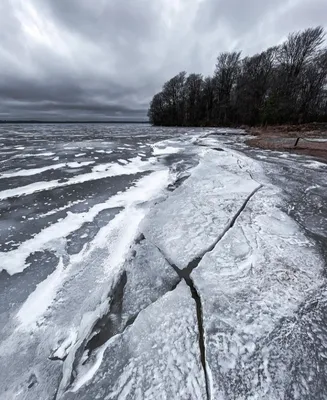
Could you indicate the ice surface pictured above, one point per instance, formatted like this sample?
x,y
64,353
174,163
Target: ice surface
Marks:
x,y
35,171
315,164
42,297
58,317
98,172
53,236
57,210
165,150
259,274
169,146
199,211
114,321
149,276
157,357
47,154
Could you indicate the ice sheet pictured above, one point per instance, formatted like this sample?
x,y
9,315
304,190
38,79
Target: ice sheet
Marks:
x,y
258,275
58,317
98,172
199,211
157,357
35,171
54,236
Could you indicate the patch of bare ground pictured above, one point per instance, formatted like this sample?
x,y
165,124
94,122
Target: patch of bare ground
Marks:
x,y
309,139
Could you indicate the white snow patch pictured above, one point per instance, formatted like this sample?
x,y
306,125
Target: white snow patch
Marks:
x,y
316,140
35,171
315,165
158,150
311,188
39,300
47,154
56,210
87,373
66,345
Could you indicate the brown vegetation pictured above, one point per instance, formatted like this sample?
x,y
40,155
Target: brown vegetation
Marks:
x,y
309,139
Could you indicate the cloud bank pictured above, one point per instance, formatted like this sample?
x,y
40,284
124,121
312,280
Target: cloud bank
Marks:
x,y
104,59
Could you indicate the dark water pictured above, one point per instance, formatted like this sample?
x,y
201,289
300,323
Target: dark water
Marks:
x,y
48,172
56,154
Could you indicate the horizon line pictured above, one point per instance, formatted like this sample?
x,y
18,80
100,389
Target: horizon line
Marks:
x,y
38,121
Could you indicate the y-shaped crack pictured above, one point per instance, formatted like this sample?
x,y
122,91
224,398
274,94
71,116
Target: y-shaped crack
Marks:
x,y
195,262
185,274
202,346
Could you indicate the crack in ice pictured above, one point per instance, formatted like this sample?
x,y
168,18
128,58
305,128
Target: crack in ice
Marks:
x,y
185,274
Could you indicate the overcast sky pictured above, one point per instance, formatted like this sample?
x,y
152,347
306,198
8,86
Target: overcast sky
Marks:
x,y
99,59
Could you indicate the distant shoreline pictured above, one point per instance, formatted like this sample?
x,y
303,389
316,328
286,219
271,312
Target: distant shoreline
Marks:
x,y
70,122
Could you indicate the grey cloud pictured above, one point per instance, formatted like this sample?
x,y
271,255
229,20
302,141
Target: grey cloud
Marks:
x,y
238,16
307,13
106,58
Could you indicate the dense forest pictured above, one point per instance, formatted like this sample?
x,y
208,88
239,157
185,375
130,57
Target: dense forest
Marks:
x,y
284,84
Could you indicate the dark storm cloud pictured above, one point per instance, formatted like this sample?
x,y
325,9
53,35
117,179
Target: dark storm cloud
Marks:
x,y
106,58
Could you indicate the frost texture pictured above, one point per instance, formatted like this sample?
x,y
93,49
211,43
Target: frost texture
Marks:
x,y
113,321
252,285
155,358
196,214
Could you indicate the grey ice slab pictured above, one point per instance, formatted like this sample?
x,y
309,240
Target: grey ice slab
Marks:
x,y
199,211
157,357
252,286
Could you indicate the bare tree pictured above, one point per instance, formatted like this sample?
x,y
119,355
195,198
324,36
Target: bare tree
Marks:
x,y
173,93
294,56
157,111
207,101
225,76
253,85
193,98
284,84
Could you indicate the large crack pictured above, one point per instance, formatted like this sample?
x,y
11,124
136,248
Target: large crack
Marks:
x,y
104,329
195,262
185,274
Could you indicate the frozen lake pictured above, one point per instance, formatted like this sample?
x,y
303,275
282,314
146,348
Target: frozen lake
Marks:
x,y
159,263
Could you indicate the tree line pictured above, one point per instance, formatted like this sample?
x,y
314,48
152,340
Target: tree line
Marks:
x,y
284,84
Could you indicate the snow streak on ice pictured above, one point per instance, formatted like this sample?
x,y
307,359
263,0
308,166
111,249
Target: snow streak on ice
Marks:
x,y
98,172
207,290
